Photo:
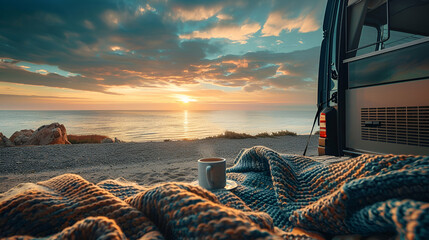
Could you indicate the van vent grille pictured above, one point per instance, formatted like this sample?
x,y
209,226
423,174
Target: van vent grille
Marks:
x,y
400,125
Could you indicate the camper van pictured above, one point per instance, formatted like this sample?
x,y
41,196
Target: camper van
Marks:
x,y
373,89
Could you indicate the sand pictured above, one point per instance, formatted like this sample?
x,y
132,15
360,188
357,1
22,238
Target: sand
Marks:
x,y
145,163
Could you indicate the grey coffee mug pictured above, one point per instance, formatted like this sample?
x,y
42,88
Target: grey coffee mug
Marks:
x,y
212,173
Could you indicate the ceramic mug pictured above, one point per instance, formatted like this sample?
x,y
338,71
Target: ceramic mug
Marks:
x,y
212,173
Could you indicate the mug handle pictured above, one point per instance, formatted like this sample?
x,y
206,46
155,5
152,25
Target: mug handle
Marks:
x,y
209,176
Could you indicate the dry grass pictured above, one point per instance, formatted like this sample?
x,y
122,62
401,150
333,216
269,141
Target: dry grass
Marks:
x,y
263,135
234,135
283,133
79,139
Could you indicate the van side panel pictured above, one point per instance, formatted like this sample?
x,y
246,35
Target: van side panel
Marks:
x,y
391,118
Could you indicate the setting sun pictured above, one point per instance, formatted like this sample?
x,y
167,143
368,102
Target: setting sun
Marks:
x,y
186,99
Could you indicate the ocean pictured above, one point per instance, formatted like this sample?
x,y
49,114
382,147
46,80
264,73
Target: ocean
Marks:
x,y
143,126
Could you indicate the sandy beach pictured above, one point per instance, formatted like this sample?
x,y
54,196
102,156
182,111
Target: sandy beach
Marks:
x,y
145,163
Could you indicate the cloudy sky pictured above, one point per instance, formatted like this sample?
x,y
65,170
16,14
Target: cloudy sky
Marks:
x,y
159,54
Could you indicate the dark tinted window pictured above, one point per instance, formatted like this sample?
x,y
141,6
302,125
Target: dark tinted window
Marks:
x,y
378,24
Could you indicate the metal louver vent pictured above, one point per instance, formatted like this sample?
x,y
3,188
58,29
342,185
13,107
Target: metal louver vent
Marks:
x,y
400,125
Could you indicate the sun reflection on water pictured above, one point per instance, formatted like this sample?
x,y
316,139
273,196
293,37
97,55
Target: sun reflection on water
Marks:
x,y
185,123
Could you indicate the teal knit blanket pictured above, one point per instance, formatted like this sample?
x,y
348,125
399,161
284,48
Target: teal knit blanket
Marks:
x,y
278,196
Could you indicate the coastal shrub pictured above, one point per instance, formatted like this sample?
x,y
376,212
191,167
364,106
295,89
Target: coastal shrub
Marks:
x,y
234,135
284,133
80,139
317,133
263,135
188,139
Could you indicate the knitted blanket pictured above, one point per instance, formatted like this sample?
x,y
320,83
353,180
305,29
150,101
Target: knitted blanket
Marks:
x,y
278,196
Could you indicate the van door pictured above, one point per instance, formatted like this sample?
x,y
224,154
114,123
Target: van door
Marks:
x,y
387,105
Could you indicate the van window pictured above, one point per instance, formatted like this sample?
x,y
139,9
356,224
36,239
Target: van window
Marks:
x,y
374,25
368,36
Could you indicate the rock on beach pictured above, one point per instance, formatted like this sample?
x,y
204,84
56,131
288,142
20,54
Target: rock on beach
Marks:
x,y
5,142
53,133
111,140
107,140
21,137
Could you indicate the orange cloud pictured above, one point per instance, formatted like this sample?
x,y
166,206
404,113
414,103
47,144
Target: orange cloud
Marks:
x,y
224,17
232,32
115,48
199,69
42,71
240,63
276,23
195,14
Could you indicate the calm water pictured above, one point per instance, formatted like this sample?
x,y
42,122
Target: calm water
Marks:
x,y
141,126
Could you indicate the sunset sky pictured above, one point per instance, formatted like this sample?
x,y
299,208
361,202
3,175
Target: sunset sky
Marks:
x,y
159,54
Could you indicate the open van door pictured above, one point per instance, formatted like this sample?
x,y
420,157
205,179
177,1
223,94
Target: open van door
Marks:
x,y
374,77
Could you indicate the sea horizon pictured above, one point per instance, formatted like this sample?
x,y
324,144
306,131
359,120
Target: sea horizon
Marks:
x,y
159,125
